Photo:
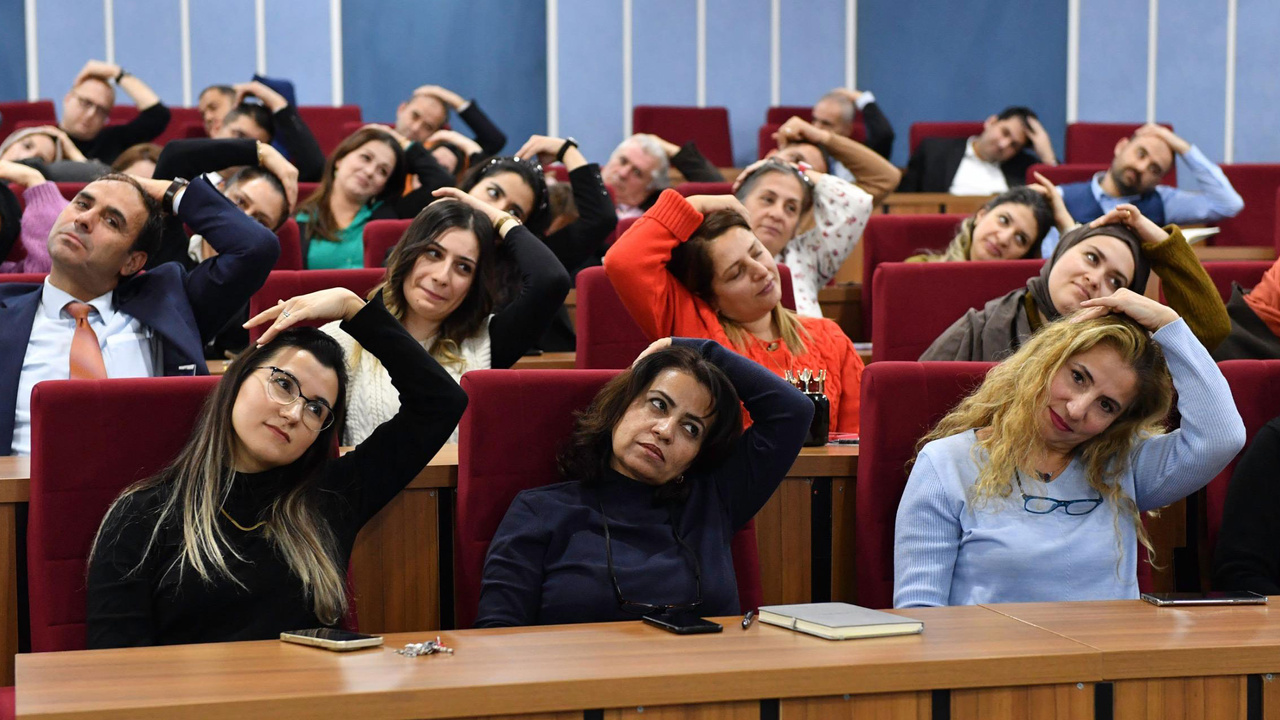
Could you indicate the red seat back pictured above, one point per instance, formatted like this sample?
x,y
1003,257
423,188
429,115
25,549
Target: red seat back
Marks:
x,y
708,127
328,124
498,459
765,143
922,130
40,112
379,237
69,190
1224,272
607,336
1063,174
1255,385
917,302
122,114
284,284
1096,143
689,189
290,246
184,122
901,402
124,430
778,114
306,189
22,277
894,238
1258,185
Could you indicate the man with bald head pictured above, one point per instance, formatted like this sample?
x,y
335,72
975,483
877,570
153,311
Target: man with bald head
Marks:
x,y
1139,164
427,111
836,111
88,104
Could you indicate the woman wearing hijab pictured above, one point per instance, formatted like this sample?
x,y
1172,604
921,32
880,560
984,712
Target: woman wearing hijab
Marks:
x,y
1118,250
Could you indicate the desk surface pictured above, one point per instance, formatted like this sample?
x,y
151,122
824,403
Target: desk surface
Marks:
x,y
524,670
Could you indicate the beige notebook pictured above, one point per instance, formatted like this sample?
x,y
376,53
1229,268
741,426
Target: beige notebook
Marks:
x,y
838,621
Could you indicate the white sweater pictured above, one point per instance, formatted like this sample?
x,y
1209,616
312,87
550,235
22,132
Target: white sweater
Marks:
x,y
840,214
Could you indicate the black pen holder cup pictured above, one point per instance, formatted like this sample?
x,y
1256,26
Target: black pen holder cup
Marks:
x,y
820,428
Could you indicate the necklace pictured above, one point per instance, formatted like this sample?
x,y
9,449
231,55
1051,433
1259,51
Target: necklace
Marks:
x,y
1048,476
227,515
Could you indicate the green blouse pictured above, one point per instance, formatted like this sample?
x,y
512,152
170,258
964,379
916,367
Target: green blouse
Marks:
x,y
348,252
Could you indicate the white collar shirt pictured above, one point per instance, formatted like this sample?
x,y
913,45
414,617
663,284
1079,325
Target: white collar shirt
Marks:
x,y
976,176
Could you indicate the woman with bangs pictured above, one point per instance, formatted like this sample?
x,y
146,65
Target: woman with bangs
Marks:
x,y
692,267
1032,488
440,286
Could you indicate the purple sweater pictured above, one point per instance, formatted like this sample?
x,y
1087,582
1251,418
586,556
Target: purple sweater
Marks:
x,y
43,205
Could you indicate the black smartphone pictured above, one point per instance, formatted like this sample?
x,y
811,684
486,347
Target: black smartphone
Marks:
x,y
1238,597
683,623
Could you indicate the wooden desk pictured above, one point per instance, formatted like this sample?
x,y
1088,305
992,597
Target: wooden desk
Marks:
x,y
932,203
557,672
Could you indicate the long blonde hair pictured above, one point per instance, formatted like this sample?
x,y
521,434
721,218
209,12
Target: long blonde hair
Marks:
x,y
1011,400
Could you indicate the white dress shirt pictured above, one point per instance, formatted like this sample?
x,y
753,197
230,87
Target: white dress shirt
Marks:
x,y
976,176
129,349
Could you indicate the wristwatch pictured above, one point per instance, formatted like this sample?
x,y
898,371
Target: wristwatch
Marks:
x,y
174,187
568,143
120,77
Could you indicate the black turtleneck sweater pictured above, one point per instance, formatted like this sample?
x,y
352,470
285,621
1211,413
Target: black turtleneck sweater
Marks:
x,y
546,564
165,604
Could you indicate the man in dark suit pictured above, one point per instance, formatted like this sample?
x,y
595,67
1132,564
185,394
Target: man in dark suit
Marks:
x,y
986,164
142,324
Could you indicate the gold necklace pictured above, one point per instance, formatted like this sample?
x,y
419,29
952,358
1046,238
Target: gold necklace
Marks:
x,y
233,521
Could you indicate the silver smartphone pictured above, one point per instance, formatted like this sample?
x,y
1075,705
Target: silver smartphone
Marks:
x,y
330,639
1235,597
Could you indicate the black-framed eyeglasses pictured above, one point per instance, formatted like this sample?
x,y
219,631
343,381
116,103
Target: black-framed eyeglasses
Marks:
x,y
285,389
639,608
1041,505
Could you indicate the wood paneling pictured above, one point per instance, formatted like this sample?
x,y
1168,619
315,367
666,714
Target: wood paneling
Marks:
x,y
8,590
395,565
1271,697
1200,698
889,706
746,710
842,542
1039,702
783,535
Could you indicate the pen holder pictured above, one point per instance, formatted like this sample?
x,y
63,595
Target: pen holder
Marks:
x,y
820,428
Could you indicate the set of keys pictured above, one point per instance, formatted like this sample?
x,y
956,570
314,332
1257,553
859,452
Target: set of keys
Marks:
x,y
430,647
806,378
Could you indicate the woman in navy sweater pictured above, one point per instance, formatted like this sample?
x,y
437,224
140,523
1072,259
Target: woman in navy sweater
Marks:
x,y
659,477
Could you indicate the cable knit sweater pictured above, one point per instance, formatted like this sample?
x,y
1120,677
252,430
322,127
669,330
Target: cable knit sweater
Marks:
x,y
840,214
44,204
637,267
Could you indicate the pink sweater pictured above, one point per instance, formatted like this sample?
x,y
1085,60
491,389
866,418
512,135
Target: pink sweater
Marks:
x,y
43,205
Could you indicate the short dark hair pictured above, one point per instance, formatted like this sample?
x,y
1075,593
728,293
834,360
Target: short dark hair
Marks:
x,y
253,172
1021,112
152,231
259,114
540,215
589,450
226,90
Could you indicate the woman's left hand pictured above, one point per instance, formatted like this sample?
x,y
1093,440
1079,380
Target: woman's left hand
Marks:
x,y
452,193
1061,215
331,304
1146,312
655,346
1129,216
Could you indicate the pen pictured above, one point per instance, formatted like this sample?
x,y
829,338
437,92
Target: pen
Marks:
x,y
746,619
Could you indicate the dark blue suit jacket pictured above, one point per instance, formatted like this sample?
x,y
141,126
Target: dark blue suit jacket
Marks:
x,y
183,308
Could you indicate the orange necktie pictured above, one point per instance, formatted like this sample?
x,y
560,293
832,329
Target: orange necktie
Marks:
x,y
86,355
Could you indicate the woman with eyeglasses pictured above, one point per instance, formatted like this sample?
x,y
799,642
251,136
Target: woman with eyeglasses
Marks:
x,y
658,476
248,532
1032,488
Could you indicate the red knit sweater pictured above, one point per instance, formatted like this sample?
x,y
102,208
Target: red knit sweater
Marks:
x,y
637,267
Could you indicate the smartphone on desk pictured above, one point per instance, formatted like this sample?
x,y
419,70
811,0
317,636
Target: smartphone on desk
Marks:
x,y
682,623
331,639
1239,597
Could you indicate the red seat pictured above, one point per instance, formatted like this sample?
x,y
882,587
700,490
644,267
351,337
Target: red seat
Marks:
x,y
1063,174
69,190
917,302
922,130
689,189
7,703
306,189
1258,185
607,336
284,284
498,459
623,226
765,143
22,277
708,127
894,238
1225,272
290,246
901,401
184,122
379,237
328,124
1096,143
778,114
40,112
1255,385
122,114
90,439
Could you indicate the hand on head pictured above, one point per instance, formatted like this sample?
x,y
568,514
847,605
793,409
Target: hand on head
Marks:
x,y
455,138
1148,313
322,305
707,204
1129,216
655,346
276,164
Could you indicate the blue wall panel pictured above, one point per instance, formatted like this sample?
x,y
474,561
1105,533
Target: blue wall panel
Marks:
x,y
68,33
813,50
738,68
1190,77
223,48
149,44
13,52
491,50
1257,131
963,61
591,75
298,48
1113,61
664,52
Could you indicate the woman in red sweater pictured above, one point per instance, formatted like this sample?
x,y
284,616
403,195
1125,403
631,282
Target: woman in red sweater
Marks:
x,y
692,268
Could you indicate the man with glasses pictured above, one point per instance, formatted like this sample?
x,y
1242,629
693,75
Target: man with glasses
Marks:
x,y
88,104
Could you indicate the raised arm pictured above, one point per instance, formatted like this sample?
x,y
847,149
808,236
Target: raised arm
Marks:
x,y
597,218
489,137
192,158
874,175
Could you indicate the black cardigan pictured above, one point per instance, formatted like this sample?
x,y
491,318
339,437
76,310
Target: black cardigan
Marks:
x,y
1248,552
159,605
115,139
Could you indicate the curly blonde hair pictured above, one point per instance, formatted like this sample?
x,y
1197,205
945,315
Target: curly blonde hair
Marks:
x,y
1015,392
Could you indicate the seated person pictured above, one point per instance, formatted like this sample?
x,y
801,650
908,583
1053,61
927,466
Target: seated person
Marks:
x,y
658,476
138,161
48,150
1032,488
88,104
1248,552
1140,163
214,103
836,110
639,168
1255,321
24,229
269,119
692,267
439,286
276,516
987,164
1118,250
426,112
1010,226
97,316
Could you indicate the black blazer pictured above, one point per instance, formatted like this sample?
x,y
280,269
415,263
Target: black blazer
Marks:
x,y
934,163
